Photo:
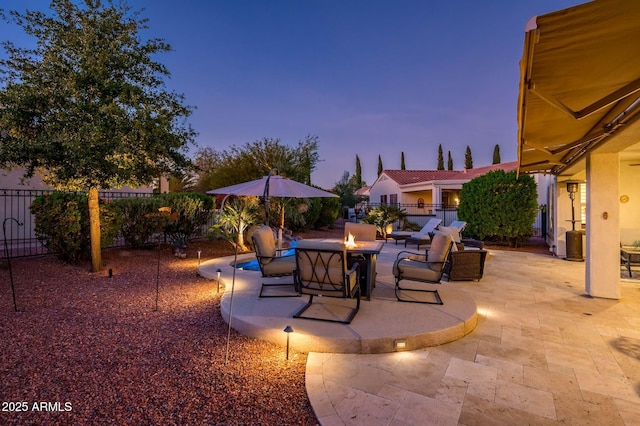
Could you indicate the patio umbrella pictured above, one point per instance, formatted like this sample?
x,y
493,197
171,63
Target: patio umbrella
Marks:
x,y
272,185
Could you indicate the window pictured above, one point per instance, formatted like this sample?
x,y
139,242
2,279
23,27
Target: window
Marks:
x,y
420,203
393,199
383,199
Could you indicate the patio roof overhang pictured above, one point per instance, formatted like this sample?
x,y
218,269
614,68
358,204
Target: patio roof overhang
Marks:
x,y
579,84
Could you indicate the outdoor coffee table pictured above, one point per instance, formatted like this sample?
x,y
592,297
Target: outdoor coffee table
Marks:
x,y
630,256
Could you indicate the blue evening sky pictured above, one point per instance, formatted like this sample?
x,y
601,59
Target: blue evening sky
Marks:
x,y
367,78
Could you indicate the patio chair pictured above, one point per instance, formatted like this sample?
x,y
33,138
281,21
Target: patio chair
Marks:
x,y
321,270
272,265
429,227
427,268
466,265
360,231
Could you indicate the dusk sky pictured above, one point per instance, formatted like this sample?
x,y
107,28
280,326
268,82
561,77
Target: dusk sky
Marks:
x,y
367,78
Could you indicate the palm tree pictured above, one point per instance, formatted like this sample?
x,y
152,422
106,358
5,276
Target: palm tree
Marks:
x,y
237,215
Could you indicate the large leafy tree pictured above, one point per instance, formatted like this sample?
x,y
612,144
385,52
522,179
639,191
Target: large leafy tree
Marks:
x,y
499,206
87,106
255,160
346,188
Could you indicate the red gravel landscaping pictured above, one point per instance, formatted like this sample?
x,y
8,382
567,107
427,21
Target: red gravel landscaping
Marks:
x,y
94,348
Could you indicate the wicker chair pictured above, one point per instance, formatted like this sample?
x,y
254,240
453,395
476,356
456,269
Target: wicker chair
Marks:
x,y
465,265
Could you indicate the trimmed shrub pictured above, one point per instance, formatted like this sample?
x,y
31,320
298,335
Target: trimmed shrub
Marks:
x,y
190,213
62,223
140,219
330,209
499,206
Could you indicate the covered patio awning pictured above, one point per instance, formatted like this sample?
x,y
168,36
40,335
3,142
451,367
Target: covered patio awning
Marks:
x,y
579,83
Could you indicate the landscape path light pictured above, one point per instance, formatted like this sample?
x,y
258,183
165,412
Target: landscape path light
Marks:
x,y
288,329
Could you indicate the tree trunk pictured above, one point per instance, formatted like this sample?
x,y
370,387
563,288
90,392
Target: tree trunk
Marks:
x,y
94,226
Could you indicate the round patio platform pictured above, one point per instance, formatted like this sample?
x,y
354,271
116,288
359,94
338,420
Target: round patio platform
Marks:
x,y
382,324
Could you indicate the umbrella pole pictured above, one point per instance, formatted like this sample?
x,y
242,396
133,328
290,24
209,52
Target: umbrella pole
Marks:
x,y
233,284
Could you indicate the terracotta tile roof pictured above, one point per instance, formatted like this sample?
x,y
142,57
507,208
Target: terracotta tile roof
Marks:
x,y
405,177
363,191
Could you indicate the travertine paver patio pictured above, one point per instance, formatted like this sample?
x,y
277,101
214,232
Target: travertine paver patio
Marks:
x,y
542,353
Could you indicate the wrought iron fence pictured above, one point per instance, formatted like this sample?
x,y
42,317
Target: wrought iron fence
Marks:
x,y
22,241
20,238
420,214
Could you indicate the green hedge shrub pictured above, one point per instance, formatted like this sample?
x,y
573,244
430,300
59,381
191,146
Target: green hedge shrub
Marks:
x,y
62,222
140,219
190,213
499,206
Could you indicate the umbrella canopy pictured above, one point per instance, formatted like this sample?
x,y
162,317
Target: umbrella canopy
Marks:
x,y
278,186
272,186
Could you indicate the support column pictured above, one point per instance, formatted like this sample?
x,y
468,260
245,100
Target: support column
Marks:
x,y
603,226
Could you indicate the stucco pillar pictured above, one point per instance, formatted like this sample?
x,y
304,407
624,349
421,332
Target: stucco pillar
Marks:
x,y
603,224
436,195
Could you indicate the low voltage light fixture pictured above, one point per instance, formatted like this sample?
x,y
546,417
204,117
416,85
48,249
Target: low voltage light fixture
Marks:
x,y
199,253
218,271
288,329
400,345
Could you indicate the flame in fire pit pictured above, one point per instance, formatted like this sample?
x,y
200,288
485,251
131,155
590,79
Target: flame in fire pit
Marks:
x,y
350,242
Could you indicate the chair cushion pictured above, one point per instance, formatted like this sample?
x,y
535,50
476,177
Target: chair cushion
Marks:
x,y
265,243
360,231
320,245
430,226
440,246
420,271
451,231
280,266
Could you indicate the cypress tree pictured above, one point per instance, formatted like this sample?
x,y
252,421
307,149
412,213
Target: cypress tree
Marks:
x,y
449,161
358,172
468,160
402,165
379,165
496,154
440,158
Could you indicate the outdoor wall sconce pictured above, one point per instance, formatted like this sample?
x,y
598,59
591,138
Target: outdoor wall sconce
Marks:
x,y
288,329
218,271
400,345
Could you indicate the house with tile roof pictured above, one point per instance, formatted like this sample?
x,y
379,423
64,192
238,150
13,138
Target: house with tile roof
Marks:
x,y
424,194
427,187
